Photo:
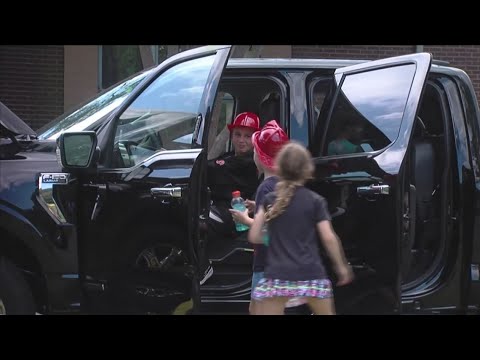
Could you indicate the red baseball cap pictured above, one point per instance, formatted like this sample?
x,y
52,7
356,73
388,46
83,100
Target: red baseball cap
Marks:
x,y
247,120
268,142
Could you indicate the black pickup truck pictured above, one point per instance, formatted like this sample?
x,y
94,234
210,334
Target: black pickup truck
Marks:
x,y
103,209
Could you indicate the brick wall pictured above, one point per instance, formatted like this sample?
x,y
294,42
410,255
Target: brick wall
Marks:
x,y
466,57
31,81
368,52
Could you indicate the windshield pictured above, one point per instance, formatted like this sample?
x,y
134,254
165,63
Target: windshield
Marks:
x,y
87,114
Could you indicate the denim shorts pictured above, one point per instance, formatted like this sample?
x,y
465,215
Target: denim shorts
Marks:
x,y
256,277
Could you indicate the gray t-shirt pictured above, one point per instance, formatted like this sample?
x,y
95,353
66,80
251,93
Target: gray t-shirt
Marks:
x,y
293,252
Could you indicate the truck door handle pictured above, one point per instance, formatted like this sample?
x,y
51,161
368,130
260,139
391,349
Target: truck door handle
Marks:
x,y
373,190
166,192
230,253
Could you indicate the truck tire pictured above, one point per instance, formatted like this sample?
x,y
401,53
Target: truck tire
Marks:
x,y
15,295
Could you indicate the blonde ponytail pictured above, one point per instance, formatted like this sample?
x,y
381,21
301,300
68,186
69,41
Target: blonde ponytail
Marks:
x,y
284,191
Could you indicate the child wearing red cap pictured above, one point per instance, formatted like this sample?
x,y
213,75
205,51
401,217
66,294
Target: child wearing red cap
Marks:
x,y
266,143
229,172
235,170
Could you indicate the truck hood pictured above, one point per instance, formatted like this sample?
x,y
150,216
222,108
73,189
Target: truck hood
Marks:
x,y
11,124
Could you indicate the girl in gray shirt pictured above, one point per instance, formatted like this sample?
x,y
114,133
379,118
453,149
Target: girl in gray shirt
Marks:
x,y
297,218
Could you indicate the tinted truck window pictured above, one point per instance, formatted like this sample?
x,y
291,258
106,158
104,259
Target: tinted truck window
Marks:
x,y
368,111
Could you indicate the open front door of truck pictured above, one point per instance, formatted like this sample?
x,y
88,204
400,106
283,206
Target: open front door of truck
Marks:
x,y
139,212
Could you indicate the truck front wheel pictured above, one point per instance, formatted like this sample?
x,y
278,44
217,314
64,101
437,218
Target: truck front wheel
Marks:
x,y
15,295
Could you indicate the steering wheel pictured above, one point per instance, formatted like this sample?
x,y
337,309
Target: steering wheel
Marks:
x,y
152,141
124,148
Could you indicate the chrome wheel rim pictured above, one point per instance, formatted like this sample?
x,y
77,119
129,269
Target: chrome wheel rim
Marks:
x,y
3,311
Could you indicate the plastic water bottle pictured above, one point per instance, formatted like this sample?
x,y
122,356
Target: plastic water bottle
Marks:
x,y
239,204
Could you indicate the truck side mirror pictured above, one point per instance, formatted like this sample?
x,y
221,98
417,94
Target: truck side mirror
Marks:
x,y
78,150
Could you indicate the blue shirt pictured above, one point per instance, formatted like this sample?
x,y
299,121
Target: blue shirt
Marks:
x,y
343,146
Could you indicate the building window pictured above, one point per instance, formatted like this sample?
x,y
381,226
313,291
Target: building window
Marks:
x,y
117,62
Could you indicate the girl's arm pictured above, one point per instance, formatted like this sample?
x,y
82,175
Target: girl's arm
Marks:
x,y
255,232
334,248
241,217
